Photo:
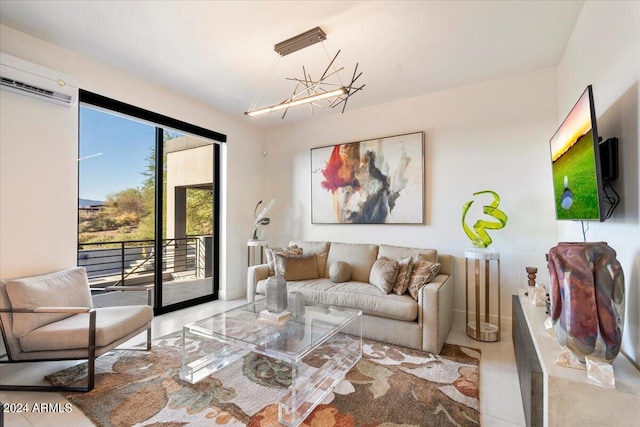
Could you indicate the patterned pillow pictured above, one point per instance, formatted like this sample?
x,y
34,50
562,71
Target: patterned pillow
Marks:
x,y
404,276
272,252
423,272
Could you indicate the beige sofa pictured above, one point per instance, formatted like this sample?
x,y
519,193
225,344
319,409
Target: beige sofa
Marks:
x,y
387,317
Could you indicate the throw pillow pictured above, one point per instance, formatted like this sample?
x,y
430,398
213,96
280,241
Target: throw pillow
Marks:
x,y
272,252
404,276
301,267
423,272
384,273
322,263
66,288
339,272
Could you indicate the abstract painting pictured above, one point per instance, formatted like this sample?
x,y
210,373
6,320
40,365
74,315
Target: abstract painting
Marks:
x,y
377,181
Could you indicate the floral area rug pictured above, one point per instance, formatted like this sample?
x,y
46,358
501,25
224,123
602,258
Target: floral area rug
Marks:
x,y
390,386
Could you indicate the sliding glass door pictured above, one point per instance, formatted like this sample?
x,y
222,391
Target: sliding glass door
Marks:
x,y
189,223
116,200
147,209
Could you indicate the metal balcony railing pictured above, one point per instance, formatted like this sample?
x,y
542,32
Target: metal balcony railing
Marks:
x,y
133,262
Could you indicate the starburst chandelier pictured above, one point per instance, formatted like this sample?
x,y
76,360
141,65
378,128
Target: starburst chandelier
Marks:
x,y
328,89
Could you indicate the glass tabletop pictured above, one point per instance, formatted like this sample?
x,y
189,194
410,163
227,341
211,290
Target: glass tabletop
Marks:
x,y
289,338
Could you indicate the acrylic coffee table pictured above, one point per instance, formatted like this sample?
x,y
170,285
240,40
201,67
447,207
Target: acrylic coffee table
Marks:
x,y
318,335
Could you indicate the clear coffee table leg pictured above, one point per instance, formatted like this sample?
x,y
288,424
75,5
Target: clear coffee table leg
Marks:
x,y
194,370
311,385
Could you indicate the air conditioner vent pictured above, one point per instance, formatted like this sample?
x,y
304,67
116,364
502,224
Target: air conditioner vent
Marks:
x,y
23,86
17,75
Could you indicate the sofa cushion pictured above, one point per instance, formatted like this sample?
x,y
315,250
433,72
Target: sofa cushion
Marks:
x,y
65,288
423,272
321,249
301,267
384,273
311,247
405,265
272,252
339,272
359,295
399,252
359,256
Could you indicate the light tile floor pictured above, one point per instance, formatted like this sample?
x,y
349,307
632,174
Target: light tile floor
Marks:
x,y
500,403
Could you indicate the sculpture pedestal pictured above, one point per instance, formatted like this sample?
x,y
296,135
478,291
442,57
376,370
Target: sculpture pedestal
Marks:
x,y
255,252
481,328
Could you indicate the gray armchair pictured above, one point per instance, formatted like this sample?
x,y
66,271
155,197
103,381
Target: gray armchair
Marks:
x,y
51,317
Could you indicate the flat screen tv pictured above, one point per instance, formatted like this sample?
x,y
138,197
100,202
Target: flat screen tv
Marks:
x,y
575,157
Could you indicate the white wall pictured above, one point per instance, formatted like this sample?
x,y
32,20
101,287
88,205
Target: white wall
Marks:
x,y
492,135
33,165
604,51
51,181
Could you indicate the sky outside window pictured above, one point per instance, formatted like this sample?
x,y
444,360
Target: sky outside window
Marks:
x,y
125,146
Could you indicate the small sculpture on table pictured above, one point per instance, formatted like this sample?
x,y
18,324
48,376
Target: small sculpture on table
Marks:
x,y
276,297
531,275
296,304
587,299
261,218
276,293
537,294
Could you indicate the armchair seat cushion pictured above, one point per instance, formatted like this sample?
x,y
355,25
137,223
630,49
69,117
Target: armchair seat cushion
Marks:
x,y
112,323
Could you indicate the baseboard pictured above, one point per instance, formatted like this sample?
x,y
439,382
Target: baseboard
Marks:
x,y
229,295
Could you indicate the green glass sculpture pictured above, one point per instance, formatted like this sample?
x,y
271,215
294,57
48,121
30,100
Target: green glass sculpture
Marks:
x,y
479,236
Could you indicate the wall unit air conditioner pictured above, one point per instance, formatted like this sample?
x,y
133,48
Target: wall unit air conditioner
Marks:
x,y
27,78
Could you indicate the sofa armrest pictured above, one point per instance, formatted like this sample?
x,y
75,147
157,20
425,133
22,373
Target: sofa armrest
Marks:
x,y
435,312
254,275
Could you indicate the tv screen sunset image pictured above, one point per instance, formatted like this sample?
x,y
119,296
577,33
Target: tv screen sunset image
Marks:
x,y
574,165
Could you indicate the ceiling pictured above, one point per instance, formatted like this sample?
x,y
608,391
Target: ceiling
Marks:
x,y
220,52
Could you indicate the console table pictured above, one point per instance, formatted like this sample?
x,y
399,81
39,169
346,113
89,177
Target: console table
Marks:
x,y
559,396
